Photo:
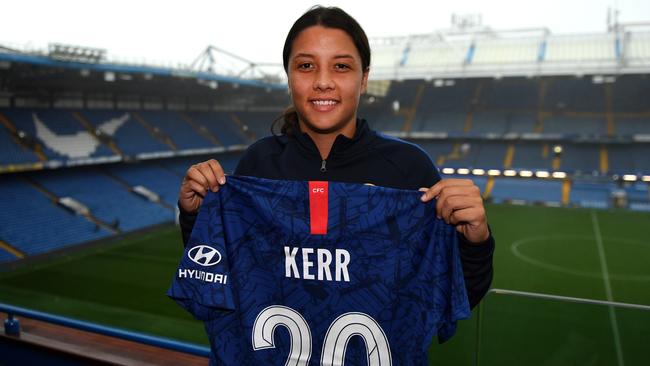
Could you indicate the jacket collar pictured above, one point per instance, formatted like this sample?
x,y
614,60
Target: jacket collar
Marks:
x,y
342,144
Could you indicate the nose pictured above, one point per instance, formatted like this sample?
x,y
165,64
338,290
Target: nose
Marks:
x,y
323,80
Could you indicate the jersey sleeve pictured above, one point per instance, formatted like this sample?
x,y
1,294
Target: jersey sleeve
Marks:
x,y
201,284
450,297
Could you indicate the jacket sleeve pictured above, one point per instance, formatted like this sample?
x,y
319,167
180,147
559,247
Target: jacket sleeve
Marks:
x,y
476,260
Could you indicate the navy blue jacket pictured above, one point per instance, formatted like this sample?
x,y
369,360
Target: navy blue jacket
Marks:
x,y
368,157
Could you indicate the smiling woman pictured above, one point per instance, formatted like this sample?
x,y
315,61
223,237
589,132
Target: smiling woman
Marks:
x,y
327,60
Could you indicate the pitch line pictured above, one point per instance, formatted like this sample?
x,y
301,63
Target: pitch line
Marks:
x,y
608,286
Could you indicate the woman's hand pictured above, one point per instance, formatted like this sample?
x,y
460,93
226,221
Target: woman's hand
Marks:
x,y
200,178
460,204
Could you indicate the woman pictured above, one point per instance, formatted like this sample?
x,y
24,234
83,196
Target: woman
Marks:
x,y
327,60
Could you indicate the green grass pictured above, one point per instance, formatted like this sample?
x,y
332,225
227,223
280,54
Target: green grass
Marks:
x,y
544,250
122,285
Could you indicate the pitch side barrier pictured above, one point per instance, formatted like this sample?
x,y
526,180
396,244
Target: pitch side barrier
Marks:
x,y
12,327
527,328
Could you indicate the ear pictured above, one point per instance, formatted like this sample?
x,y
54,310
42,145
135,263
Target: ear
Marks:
x,y
364,81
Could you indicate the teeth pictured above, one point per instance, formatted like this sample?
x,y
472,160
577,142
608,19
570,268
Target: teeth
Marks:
x,y
324,102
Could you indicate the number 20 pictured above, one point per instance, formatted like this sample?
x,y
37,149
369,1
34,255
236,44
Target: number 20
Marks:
x,y
336,339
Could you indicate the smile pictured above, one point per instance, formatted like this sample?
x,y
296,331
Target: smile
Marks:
x,y
328,102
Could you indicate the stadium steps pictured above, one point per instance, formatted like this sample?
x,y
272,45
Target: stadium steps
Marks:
x,y
155,132
411,112
510,154
454,154
541,96
469,119
201,129
129,188
556,162
609,110
247,132
91,129
566,192
55,199
489,185
604,160
8,248
36,148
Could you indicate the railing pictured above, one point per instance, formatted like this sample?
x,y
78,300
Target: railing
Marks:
x,y
12,327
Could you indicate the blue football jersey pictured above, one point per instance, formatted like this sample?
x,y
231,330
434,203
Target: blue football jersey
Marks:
x,y
320,273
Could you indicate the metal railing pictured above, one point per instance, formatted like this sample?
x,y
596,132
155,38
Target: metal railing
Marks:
x,y
12,326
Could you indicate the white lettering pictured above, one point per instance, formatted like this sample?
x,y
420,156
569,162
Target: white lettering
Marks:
x,y
323,263
307,264
203,276
290,265
342,261
324,258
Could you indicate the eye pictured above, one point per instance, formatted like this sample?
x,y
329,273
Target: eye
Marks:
x,y
341,67
305,66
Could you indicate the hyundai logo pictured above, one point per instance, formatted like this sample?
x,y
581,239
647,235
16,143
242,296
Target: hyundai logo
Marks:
x,y
204,255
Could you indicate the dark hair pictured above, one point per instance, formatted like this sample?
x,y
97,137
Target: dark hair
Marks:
x,y
328,17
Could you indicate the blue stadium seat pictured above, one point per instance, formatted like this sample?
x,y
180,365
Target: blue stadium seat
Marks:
x,y
131,137
173,125
152,176
33,224
6,256
259,122
11,152
106,198
221,125
526,190
590,194
529,155
59,132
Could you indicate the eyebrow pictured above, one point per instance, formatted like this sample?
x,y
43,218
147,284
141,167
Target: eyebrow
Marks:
x,y
312,56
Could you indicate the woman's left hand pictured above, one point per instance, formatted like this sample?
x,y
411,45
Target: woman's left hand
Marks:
x,y
460,204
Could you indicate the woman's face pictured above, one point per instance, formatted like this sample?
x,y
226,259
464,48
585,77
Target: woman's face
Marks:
x,y
326,79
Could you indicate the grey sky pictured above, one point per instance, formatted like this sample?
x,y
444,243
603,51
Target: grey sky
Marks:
x,y
179,30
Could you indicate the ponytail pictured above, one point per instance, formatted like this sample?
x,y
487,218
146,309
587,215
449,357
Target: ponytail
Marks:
x,y
289,119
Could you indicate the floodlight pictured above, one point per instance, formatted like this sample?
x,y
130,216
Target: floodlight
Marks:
x,y
448,170
494,172
462,171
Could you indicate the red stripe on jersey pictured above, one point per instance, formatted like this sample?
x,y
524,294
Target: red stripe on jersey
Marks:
x,y
318,207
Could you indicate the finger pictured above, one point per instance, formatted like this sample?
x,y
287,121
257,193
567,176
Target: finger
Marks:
x,y
467,191
194,174
196,189
218,171
473,216
445,183
207,172
449,204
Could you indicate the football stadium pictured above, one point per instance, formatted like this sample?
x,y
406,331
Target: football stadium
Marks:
x,y
553,128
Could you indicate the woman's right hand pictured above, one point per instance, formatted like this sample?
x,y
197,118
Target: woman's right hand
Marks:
x,y
200,178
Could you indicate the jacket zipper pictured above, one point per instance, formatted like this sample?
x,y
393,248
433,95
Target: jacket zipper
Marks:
x,y
323,169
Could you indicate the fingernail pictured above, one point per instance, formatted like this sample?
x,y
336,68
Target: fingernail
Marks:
x,y
423,189
222,180
424,196
214,189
